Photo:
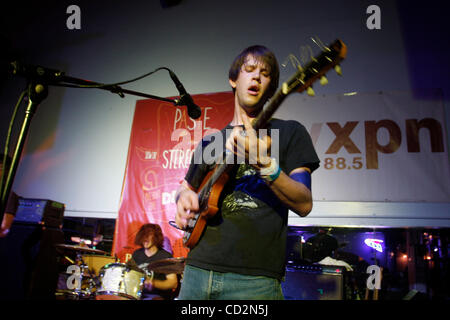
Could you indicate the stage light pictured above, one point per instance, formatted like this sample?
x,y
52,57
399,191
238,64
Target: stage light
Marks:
x,y
375,244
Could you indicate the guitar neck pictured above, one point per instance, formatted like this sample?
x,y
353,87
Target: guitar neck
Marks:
x,y
264,116
260,122
299,81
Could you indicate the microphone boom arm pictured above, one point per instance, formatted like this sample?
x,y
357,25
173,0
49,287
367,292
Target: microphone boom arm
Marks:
x,y
39,78
72,82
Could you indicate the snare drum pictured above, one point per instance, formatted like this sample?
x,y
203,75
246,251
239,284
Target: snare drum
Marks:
x,y
117,281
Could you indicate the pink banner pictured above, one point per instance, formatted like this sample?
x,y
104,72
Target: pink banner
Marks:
x,y
162,140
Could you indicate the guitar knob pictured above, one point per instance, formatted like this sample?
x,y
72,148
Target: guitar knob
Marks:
x,y
323,80
310,92
338,69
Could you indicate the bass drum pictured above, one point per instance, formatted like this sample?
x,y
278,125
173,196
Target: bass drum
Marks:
x,y
96,262
119,282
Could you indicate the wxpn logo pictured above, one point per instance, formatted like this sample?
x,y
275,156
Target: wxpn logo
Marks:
x,y
373,146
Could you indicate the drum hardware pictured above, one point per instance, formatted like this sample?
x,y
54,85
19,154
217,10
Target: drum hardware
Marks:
x,y
87,242
68,259
94,275
77,249
166,266
76,283
79,281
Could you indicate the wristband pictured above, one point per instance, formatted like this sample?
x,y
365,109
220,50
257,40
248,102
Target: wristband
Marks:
x,y
272,172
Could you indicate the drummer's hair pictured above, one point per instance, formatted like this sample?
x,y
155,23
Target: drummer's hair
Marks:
x,y
150,229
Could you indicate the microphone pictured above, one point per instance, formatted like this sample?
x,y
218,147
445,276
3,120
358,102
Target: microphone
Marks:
x,y
194,111
35,72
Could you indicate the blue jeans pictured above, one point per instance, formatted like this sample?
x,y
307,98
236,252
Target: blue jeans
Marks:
x,y
200,284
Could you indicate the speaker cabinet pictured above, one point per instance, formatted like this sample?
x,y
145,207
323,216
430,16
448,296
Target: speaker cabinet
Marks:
x,y
314,282
29,265
49,212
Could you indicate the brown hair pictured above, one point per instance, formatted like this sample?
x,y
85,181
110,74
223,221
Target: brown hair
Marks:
x,y
150,229
261,54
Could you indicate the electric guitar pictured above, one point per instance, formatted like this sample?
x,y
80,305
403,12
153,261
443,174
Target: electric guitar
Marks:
x,y
214,182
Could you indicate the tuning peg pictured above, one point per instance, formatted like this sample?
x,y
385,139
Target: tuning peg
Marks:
x,y
310,92
323,80
338,69
284,88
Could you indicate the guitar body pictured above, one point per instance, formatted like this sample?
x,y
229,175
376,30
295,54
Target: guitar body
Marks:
x,y
191,237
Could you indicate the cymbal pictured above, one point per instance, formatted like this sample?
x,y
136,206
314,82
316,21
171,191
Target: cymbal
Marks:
x,y
79,248
166,266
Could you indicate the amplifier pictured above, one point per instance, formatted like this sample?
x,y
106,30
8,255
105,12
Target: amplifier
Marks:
x,y
49,212
313,282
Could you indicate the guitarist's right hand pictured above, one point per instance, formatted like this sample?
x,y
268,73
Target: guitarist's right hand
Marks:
x,y
187,203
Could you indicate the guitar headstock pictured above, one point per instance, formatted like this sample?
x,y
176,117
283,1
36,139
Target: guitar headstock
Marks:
x,y
316,68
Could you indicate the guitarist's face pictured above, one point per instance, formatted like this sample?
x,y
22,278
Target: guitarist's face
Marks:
x,y
251,85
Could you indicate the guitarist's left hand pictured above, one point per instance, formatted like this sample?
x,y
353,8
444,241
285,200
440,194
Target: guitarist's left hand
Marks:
x,y
248,146
292,193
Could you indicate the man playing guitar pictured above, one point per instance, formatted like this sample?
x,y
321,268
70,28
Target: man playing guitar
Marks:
x,y
241,252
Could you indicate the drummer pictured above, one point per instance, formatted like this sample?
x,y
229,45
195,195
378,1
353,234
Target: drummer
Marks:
x,y
150,239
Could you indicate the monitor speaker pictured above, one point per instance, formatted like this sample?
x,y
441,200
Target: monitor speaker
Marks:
x,y
29,262
314,282
44,211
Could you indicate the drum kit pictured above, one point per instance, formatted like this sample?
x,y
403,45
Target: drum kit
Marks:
x,y
93,275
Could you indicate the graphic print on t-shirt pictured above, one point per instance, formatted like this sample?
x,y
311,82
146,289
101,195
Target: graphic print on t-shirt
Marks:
x,y
248,189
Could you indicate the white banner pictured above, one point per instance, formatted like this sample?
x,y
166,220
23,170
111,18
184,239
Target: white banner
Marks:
x,y
389,146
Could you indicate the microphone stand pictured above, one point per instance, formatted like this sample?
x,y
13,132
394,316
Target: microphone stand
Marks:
x,y
39,80
112,88
36,93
